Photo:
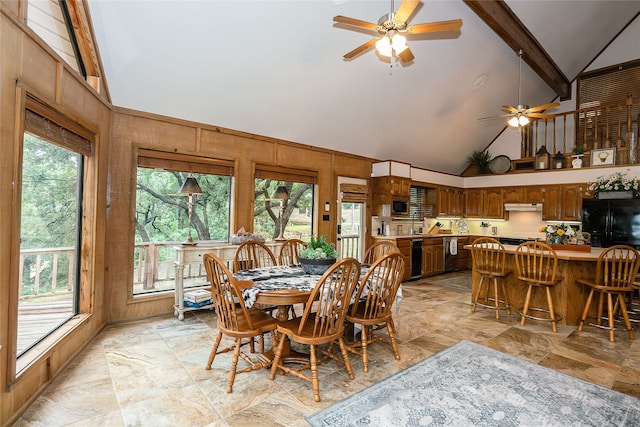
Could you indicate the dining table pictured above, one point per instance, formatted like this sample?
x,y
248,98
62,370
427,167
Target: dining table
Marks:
x,y
285,286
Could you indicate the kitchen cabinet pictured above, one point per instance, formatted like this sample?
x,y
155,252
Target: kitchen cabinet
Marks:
x,y
484,203
533,194
562,202
463,261
523,194
387,188
432,256
405,249
450,201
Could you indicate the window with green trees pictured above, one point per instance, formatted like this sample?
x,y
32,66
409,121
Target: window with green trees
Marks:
x,y
295,215
162,218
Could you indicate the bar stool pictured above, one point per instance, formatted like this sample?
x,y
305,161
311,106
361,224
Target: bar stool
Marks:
x,y
488,259
616,272
536,265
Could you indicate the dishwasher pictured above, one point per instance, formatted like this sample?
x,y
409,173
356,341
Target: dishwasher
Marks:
x,y
416,258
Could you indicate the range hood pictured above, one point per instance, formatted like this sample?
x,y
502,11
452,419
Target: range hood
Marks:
x,y
523,207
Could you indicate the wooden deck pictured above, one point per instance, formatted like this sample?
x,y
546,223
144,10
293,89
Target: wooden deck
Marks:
x,y
37,319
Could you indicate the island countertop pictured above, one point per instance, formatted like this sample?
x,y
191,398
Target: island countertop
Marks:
x,y
569,297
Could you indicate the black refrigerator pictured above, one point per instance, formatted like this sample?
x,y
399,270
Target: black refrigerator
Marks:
x,y
612,222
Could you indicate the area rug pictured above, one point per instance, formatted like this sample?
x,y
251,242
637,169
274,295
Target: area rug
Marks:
x,y
471,385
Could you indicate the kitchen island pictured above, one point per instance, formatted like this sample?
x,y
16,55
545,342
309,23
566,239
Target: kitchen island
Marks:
x,y
569,296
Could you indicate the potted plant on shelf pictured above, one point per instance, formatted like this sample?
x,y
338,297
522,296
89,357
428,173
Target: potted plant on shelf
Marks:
x,y
481,160
318,256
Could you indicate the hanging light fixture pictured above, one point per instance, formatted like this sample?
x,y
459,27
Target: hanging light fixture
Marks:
x,y
189,188
519,120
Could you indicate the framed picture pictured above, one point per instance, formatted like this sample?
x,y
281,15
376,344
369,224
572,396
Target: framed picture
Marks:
x,y
603,157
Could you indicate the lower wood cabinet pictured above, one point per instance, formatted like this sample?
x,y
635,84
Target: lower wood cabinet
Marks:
x,y
432,256
463,262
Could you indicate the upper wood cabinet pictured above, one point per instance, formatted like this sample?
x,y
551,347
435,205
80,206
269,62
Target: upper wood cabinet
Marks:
x,y
562,202
400,187
450,201
484,203
533,194
525,194
386,188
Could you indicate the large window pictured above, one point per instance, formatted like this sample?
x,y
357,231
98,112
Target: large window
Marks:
x,y
162,218
50,228
289,218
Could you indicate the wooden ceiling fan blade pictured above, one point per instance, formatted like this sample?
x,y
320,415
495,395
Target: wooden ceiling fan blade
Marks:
x,y
540,115
500,116
355,22
510,109
405,10
543,107
406,55
434,27
363,47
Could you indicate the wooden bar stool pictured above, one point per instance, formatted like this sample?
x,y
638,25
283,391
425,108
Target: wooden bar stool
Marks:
x,y
488,258
615,275
536,265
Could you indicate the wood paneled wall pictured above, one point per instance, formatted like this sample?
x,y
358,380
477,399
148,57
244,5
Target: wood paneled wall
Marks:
x,y
29,66
132,130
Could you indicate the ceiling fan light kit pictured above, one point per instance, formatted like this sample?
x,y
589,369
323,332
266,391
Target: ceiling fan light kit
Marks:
x,y
392,28
522,115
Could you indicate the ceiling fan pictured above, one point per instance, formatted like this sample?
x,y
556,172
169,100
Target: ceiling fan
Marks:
x,y
521,115
391,28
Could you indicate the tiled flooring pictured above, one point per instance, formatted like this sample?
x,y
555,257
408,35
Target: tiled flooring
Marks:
x,y
151,372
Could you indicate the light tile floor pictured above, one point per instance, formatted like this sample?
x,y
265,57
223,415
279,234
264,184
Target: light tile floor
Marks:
x,y
151,372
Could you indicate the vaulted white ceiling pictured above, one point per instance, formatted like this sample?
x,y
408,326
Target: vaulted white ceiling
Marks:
x,y
275,68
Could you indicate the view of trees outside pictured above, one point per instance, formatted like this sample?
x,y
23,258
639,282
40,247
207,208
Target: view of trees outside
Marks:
x,y
48,231
162,221
297,216
162,214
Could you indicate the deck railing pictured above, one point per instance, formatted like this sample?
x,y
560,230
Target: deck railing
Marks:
x,y
613,125
50,272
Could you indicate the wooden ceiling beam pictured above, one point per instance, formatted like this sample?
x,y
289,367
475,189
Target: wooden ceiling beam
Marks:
x,y
501,19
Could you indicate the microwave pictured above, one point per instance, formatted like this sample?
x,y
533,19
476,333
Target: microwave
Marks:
x,y
399,207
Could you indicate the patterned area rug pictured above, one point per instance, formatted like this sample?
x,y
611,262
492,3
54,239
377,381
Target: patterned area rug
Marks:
x,y
471,385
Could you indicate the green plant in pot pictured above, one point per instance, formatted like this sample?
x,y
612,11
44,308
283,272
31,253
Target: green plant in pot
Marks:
x,y
318,256
481,160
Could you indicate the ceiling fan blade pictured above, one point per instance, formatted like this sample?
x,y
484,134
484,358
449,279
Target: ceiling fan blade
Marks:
x,y
405,10
406,55
357,51
510,109
355,22
540,115
501,116
434,27
543,107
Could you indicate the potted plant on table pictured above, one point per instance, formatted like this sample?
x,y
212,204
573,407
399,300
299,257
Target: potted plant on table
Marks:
x,y
318,256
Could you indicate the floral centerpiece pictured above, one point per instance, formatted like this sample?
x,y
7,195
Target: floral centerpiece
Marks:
x,y
318,256
615,182
558,234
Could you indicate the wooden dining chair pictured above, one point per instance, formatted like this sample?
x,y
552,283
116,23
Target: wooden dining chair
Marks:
x,y
290,251
616,272
330,300
253,254
488,262
372,304
234,319
378,250
536,266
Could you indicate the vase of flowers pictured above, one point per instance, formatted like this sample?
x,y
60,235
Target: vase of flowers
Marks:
x,y
615,186
318,256
558,234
